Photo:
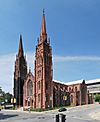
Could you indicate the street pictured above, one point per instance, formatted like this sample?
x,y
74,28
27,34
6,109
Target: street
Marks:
x,y
74,114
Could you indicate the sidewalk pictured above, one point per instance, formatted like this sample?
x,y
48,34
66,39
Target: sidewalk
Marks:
x,y
95,115
54,110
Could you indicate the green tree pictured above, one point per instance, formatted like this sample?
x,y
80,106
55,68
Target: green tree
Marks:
x,y
8,96
5,96
97,97
0,89
2,95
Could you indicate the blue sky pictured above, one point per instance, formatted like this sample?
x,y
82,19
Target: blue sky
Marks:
x,y
74,30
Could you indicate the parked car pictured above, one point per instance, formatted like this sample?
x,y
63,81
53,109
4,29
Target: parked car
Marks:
x,y
62,109
0,107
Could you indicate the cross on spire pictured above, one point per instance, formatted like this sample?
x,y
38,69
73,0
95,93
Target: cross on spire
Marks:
x,y
43,11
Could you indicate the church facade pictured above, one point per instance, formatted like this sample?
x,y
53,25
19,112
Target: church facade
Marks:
x,y
39,90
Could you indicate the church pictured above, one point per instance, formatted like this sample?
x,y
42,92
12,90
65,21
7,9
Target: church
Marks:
x,y
39,90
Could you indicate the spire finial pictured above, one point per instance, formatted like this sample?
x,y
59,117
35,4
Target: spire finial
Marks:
x,y
29,69
20,52
20,36
43,11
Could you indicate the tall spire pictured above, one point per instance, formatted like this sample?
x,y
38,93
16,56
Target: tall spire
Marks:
x,y
43,34
20,51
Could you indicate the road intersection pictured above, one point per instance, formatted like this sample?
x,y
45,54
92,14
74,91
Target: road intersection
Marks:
x,y
73,114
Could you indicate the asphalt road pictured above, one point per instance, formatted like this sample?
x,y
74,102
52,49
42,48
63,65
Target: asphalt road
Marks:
x,y
76,114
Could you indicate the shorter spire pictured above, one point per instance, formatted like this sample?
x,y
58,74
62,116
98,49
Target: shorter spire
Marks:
x,y
20,51
29,69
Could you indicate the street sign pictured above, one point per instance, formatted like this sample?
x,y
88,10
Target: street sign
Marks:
x,y
14,100
11,100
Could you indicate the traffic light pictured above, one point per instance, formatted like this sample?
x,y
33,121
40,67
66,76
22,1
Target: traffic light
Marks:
x,y
63,118
57,118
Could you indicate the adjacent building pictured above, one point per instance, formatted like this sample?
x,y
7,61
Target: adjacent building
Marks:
x,y
93,86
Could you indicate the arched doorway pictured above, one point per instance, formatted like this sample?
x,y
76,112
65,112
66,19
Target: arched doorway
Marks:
x,y
30,92
71,100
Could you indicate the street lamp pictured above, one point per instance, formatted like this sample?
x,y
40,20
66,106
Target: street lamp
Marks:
x,y
65,97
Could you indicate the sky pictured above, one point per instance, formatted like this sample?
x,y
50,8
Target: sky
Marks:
x,y
74,30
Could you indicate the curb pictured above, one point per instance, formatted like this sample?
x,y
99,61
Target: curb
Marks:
x,y
95,115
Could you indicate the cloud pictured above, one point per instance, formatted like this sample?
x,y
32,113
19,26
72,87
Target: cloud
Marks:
x,y
6,71
7,63
75,58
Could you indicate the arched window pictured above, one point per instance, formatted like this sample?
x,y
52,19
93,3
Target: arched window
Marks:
x,y
39,85
39,60
75,88
29,88
39,73
69,89
47,98
39,98
71,98
66,88
46,84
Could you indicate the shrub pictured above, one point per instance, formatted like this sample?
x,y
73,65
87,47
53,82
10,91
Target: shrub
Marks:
x,y
97,97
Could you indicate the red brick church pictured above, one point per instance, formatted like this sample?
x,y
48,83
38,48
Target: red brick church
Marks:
x,y
38,90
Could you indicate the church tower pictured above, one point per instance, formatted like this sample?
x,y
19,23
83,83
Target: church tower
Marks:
x,y
43,70
19,75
